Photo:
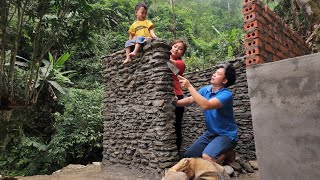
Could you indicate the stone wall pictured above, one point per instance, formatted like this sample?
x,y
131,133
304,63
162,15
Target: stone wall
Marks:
x,y
139,118
138,126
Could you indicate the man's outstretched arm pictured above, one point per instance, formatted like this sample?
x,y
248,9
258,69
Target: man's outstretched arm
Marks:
x,y
185,102
205,104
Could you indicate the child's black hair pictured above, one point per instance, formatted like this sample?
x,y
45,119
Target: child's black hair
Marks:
x,y
141,4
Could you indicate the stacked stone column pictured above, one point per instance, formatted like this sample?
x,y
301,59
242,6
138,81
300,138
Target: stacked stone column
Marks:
x,y
139,118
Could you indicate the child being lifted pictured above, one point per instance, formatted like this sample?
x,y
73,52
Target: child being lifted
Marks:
x,y
139,32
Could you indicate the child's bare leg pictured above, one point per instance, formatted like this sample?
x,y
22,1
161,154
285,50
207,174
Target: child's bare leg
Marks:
x,y
128,59
136,49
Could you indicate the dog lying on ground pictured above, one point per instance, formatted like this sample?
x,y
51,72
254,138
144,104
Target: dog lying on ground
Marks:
x,y
196,168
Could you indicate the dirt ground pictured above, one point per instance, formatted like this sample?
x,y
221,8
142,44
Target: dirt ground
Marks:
x,y
111,172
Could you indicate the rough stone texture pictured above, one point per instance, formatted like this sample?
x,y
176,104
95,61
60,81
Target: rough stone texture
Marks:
x,y
193,119
138,128
139,118
285,103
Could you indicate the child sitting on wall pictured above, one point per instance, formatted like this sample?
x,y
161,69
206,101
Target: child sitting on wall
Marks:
x,y
139,32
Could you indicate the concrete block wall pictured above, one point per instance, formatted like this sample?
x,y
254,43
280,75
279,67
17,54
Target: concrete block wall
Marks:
x,y
267,37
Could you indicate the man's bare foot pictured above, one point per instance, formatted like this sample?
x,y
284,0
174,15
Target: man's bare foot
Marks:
x,y
126,61
133,54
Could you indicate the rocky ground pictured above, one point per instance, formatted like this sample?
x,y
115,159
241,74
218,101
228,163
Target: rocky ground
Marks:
x,y
111,172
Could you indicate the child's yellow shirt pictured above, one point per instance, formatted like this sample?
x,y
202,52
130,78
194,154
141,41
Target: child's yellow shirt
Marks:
x,y
141,28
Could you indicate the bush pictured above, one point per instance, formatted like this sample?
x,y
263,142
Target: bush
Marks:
x,y
77,138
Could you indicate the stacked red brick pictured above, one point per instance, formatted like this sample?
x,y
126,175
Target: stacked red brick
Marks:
x,y
267,37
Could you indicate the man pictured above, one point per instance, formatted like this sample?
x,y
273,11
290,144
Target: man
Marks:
x,y
216,101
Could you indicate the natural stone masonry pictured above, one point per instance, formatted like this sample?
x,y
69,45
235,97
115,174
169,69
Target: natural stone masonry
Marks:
x,y
138,128
267,37
139,118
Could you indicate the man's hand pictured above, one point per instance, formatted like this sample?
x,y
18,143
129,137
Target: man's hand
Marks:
x,y
183,82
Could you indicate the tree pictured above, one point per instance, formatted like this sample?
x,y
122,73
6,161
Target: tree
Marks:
x,y
43,23
30,29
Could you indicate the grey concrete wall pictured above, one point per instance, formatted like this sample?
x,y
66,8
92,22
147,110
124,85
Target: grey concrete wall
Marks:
x,y
285,107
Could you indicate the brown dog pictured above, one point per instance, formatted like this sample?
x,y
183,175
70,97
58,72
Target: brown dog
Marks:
x,y
197,168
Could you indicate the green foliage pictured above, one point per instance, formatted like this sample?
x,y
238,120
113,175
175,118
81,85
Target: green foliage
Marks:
x,y
88,75
161,16
226,46
50,136
77,138
294,15
24,159
52,75
213,33
26,136
212,29
107,39
272,4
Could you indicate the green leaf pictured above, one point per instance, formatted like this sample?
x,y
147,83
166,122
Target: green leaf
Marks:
x,y
46,70
230,51
61,60
46,62
57,86
50,58
66,72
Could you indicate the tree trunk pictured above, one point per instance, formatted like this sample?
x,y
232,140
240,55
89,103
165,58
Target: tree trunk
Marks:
x,y
20,8
3,22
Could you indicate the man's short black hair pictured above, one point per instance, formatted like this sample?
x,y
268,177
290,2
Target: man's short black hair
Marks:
x,y
230,73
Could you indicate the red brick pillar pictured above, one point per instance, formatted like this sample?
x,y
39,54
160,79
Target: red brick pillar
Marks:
x,y
267,37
